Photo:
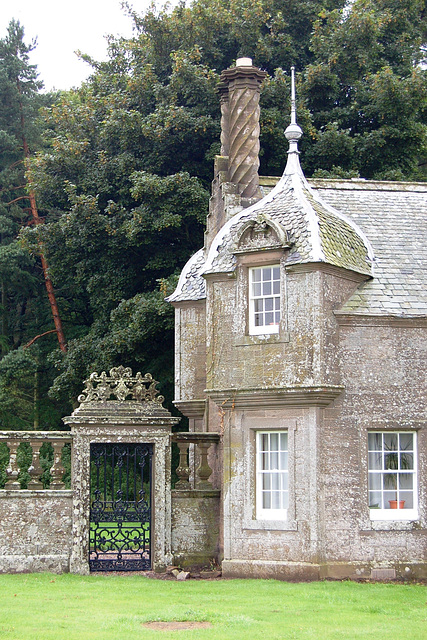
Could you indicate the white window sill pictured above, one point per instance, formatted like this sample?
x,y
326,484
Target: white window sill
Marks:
x,y
393,514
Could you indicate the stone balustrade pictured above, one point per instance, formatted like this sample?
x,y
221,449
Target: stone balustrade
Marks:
x,y
202,441
35,439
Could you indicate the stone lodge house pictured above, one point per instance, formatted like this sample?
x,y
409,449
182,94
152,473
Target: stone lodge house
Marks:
x,y
301,341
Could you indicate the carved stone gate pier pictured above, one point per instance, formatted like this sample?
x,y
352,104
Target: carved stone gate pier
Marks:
x,y
119,409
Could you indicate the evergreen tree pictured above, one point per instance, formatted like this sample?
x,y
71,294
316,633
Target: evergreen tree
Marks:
x,y
24,313
124,174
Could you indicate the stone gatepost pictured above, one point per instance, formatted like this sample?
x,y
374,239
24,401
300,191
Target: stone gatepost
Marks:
x,y
120,408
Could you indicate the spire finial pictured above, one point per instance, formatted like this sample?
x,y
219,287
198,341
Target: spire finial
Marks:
x,y
294,132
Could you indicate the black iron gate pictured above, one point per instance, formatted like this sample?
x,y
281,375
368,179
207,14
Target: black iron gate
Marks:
x,y
120,509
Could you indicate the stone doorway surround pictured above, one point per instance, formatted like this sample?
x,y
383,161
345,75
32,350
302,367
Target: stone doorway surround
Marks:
x,y
120,407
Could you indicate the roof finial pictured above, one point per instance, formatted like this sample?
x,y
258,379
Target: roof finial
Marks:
x,y
294,132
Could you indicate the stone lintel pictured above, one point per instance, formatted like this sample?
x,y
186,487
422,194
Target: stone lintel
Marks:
x,y
314,396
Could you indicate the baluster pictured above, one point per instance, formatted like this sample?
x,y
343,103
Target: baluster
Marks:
x,y
35,470
204,471
57,470
183,470
12,470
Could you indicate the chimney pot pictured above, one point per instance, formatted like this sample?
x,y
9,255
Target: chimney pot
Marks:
x,y
244,62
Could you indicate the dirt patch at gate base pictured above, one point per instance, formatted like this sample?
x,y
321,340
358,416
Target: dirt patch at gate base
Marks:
x,y
175,625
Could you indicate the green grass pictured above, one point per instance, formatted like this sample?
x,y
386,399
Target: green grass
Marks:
x,y
112,607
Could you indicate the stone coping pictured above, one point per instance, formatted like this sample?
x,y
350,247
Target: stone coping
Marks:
x,y
36,435
36,493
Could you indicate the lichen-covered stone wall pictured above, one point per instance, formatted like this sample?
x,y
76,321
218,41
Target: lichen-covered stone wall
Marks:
x,y
35,531
195,527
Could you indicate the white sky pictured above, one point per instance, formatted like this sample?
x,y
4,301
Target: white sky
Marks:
x,y
63,27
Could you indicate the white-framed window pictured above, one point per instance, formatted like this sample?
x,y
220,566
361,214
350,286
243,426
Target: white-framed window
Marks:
x,y
392,475
272,484
264,299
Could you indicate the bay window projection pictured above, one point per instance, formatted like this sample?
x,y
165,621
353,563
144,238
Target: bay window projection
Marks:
x,y
272,475
392,475
264,300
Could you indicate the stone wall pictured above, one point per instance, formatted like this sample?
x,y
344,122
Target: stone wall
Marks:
x,y
35,531
195,527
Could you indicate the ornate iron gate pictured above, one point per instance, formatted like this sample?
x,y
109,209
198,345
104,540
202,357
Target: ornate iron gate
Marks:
x,y
120,510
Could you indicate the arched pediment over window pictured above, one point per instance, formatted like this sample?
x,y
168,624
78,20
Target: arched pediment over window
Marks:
x,y
261,234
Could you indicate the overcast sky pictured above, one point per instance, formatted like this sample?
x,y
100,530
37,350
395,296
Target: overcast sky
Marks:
x,y
63,27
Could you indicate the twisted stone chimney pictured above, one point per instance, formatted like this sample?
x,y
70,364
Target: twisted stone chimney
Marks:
x,y
239,93
236,181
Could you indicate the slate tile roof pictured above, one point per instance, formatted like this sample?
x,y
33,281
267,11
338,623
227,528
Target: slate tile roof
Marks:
x,y
393,216
191,284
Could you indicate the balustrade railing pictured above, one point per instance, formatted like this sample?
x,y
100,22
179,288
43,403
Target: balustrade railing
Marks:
x,y
202,441
17,468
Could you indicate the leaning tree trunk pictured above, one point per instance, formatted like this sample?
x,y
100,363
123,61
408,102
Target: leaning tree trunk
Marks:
x,y
37,220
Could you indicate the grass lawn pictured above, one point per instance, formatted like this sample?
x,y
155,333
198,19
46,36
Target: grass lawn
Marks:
x,y
115,607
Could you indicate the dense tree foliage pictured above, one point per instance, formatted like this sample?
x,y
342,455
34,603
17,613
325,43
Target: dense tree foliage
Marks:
x,y
24,310
124,168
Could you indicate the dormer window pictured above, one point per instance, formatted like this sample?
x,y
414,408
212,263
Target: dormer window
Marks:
x,y
264,300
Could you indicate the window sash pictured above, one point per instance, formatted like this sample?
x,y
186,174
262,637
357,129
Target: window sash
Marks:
x,y
264,300
392,475
272,482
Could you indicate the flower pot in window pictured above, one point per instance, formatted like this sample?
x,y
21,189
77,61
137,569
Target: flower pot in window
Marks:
x,y
394,504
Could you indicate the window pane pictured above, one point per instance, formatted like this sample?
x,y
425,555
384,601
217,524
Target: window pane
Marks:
x,y
274,460
375,441
408,498
391,461
268,304
375,480
275,481
264,442
284,477
390,480
266,273
266,288
375,500
375,461
406,480
265,461
283,441
283,460
274,442
276,500
266,481
276,273
266,500
406,460
256,275
390,441
256,289
406,442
